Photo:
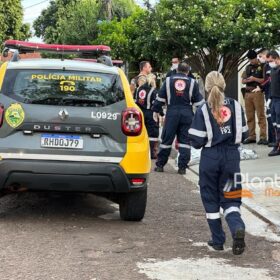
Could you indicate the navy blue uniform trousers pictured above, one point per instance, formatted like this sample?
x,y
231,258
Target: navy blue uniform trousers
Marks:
x,y
218,166
177,123
275,115
152,129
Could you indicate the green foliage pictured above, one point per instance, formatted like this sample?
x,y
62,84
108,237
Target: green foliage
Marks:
x,y
132,39
216,33
45,25
123,8
11,16
76,22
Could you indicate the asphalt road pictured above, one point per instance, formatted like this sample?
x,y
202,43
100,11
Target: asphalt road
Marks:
x,y
80,237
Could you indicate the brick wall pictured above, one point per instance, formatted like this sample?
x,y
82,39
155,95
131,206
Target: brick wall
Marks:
x,y
23,56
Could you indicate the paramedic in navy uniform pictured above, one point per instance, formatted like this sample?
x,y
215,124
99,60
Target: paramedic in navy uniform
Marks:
x,y
179,92
218,127
144,97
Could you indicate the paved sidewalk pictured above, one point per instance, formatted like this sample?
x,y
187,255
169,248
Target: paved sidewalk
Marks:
x,y
262,177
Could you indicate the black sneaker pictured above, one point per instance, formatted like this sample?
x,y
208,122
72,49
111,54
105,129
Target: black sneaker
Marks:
x,y
182,171
271,145
249,141
238,245
274,152
263,142
215,247
159,169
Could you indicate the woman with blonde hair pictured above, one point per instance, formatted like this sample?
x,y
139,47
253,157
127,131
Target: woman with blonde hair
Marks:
x,y
218,127
144,97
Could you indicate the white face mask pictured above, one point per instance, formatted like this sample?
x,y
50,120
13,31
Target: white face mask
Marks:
x,y
272,64
174,66
262,60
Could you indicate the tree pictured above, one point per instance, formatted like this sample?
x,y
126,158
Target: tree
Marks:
x,y
76,22
215,34
11,26
45,25
132,38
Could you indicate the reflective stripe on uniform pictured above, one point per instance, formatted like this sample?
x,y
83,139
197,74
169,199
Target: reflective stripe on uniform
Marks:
x,y
238,122
153,139
161,99
165,146
274,124
60,157
191,90
245,128
196,104
149,98
268,116
278,125
231,210
198,133
184,146
168,90
213,216
208,125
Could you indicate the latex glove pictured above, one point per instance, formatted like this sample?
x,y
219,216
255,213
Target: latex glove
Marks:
x,y
155,116
257,89
268,103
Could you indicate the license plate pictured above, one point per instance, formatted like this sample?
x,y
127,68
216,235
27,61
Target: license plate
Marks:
x,y
61,141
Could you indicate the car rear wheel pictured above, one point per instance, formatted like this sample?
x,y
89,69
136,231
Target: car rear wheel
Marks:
x,y
133,205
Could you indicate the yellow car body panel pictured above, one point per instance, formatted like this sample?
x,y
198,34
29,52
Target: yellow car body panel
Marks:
x,y
137,159
3,68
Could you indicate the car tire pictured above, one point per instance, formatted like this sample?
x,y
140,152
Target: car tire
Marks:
x,y
133,205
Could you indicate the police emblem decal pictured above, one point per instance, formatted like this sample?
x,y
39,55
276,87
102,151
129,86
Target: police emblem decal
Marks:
x,y
14,115
142,94
180,85
226,113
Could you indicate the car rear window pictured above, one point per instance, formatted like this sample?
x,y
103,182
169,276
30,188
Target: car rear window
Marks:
x,y
58,87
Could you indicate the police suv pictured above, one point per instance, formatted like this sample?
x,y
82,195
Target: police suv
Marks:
x,y
69,125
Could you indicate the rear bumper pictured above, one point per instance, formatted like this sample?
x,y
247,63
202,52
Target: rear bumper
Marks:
x,y
67,176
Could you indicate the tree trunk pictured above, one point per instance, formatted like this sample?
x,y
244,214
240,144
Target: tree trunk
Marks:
x,y
106,8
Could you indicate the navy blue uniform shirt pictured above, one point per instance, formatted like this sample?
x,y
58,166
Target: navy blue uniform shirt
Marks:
x,y
178,90
206,132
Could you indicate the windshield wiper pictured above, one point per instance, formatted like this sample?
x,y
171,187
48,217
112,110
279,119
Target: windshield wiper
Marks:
x,y
66,101
82,101
46,100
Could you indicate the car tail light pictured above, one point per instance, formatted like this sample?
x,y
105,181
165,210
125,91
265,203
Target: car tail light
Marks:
x,y
1,114
137,181
132,122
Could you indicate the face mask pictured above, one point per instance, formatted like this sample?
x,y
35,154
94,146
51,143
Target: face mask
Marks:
x,y
272,64
174,66
262,60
